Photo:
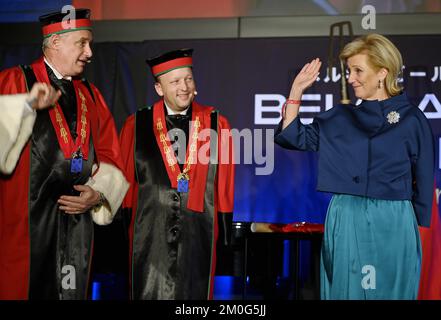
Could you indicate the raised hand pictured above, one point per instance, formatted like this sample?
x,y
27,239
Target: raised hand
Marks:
x,y
42,95
305,78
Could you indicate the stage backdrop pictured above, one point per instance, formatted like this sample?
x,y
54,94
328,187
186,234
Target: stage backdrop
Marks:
x,y
248,80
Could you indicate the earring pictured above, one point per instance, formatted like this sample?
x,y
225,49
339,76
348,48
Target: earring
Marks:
x,y
380,84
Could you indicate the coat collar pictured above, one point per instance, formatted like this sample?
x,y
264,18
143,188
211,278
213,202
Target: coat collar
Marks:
x,y
373,115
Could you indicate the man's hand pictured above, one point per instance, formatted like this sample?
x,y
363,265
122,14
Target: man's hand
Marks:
x,y
42,96
87,199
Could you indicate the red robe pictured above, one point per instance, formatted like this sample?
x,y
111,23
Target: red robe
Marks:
x,y
18,225
158,224
430,280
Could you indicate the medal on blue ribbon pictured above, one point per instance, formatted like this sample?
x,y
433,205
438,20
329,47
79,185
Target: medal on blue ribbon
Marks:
x,y
183,180
76,163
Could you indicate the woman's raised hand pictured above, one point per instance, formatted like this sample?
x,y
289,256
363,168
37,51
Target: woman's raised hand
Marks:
x,y
305,78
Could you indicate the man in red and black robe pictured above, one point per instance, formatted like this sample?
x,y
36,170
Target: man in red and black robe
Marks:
x,y
61,170
179,162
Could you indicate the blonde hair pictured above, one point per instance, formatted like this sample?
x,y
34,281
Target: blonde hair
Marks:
x,y
381,53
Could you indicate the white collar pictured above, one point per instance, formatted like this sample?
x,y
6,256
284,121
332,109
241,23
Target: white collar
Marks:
x,y
56,73
170,111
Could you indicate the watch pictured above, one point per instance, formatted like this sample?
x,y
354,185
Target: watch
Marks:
x,y
101,201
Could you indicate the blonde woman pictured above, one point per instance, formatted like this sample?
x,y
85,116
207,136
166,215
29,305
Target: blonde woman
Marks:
x,y
377,159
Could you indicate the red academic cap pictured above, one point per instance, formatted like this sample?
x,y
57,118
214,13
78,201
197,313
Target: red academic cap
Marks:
x,y
61,22
171,60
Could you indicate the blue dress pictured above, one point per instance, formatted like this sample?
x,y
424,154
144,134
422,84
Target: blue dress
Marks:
x,y
371,249
378,161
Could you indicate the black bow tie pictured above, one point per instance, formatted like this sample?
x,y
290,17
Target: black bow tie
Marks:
x,y
180,121
178,117
62,84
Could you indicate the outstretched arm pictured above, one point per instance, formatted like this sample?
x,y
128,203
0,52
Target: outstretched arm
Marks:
x,y
17,121
291,133
42,95
303,80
